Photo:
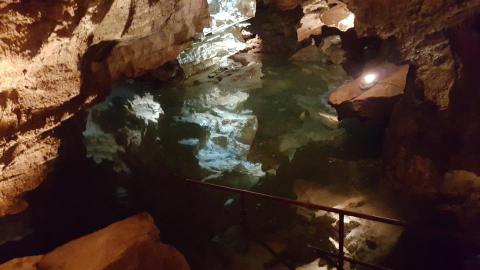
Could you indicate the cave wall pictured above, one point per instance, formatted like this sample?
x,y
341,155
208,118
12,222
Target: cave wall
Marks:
x,y
432,144
59,57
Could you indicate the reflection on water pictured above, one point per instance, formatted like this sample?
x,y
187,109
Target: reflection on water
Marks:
x,y
219,115
231,122
216,103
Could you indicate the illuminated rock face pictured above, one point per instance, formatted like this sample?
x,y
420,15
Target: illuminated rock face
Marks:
x,y
222,39
387,85
226,13
59,57
319,13
131,244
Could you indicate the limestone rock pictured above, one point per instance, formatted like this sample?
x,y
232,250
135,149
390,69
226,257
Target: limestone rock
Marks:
x,y
439,108
222,39
433,132
375,103
319,13
418,26
132,243
58,58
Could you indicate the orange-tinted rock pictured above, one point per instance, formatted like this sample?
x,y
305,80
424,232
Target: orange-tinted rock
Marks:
x,y
60,57
375,103
286,4
130,244
26,263
319,13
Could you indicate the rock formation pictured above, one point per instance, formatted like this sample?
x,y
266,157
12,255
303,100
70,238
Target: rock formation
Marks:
x,y
432,139
319,13
375,103
132,243
60,57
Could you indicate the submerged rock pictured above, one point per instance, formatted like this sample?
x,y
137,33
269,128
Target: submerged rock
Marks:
x,y
374,103
131,244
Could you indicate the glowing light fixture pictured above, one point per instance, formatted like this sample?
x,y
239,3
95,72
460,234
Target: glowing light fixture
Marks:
x,y
368,80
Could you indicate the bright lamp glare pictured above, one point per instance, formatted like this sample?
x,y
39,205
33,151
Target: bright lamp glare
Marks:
x,y
368,80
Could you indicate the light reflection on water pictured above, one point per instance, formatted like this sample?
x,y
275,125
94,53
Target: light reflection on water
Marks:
x,y
220,115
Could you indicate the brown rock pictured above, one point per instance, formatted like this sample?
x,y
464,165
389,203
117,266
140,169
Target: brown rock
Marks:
x,y
425,124
375,103
421,36
58,58
319,13
26,263
130,244
431,145
286,4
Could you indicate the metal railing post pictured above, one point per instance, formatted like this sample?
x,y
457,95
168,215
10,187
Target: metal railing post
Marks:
x,y
341,240
189,196
243,214
341,220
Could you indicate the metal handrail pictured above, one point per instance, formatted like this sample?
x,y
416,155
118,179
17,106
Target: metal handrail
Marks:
x,y
341,213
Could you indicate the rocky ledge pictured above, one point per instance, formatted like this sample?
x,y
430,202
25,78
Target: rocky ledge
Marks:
x,y
373,103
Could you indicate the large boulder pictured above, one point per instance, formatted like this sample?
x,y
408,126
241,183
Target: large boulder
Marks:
x,y
131,244
375,103
60,57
